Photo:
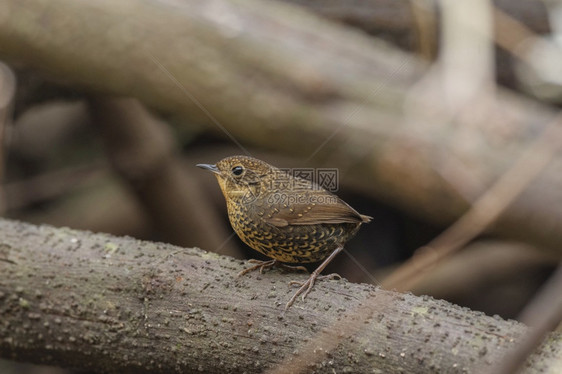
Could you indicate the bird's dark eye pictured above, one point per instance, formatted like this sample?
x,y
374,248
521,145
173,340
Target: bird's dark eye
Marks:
x,y
237,170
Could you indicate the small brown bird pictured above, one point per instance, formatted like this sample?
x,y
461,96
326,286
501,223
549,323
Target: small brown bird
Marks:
x,y
290,219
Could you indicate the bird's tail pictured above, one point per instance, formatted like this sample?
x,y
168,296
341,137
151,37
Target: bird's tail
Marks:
x,y
365,218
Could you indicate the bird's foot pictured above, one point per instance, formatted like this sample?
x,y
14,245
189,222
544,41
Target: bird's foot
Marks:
x,y
306,287
261,265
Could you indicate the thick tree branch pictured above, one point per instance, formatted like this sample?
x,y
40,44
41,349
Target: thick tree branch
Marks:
x,y
111,304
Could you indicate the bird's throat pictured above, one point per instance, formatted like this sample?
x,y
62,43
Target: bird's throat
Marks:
x,y
230,191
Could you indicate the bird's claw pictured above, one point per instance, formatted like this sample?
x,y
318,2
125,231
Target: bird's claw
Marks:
x,y
259,265
306,287
269,264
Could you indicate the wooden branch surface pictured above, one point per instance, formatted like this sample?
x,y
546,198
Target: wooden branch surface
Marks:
x,y
275,76
111,304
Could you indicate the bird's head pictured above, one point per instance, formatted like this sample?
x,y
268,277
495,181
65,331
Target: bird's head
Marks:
x,y
241,177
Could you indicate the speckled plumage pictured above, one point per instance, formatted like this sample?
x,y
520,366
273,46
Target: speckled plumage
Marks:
x,y
292,243
289,219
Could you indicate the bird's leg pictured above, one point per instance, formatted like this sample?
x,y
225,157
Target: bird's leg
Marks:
x,y
269,264
306,287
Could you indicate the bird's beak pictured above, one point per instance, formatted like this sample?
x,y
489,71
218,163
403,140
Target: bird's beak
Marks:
x,y
210,167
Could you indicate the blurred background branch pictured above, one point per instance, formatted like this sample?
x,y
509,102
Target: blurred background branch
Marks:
x,y
406,157
141,150
7,93
423,107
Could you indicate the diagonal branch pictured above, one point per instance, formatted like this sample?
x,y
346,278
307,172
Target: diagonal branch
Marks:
x,y
110,304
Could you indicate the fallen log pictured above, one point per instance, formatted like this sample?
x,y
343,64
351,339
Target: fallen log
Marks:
x,y
115,304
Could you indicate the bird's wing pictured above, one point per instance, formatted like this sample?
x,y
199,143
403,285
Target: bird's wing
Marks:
x,y
314,207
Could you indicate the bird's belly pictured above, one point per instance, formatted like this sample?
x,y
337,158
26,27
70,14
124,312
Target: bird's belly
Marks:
x,y
291,244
